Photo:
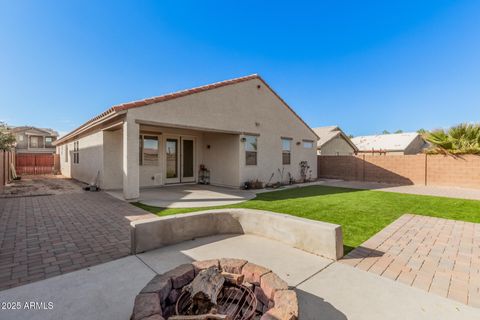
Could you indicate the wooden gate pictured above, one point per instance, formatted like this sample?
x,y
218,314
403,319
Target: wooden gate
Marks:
x,y
31,163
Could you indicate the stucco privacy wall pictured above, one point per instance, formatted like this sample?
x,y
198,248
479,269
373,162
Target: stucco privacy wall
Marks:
x,y
242,107
440,170
320,238
337,147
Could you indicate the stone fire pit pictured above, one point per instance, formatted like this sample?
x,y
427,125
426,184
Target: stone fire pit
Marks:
x,y
274,301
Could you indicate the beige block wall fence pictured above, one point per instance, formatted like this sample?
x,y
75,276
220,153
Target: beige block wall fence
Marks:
x,y
421,169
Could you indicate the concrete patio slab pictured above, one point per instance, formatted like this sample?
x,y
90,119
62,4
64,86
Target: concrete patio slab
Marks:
x,y
104,291
341,292
291,264
189,196
330,291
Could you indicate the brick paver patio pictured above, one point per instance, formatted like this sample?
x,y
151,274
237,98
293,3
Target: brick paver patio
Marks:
x,y
436,255
44,236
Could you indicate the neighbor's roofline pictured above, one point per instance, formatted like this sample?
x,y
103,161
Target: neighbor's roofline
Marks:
x,y
170,96
344,136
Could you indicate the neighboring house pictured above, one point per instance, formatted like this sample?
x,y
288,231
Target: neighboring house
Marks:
x,y
391,144
34,140
238,129
332,141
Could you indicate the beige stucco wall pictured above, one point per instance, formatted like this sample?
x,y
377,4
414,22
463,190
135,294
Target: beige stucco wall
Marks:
x,y
112,159
91,159
222,158
336,147
242,107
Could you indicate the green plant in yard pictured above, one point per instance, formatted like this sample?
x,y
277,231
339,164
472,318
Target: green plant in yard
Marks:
x,y
7,139
361,213
461,139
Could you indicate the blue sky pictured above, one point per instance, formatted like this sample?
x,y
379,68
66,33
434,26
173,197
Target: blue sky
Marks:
x,y
364,65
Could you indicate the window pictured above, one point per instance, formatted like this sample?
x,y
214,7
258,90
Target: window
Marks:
x,y
76,152
307,144
20,138
251,150
34,142
48,141
148,150
286,150
66,152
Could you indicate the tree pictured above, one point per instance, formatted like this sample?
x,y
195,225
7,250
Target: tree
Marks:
x,y
422,131
385,132
399,131
7,139
461,139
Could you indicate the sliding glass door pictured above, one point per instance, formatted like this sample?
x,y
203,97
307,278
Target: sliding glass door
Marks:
x,y
179,159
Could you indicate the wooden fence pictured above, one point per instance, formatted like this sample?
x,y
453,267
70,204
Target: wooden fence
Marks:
x,y
421,169
31,163
6,159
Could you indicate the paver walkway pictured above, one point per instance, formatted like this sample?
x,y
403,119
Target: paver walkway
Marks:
x,y
44,236
436,255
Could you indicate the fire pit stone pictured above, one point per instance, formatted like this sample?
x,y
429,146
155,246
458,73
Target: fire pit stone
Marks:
x,y
254,272
232,265
181,275
205,264
271,283
160,298
146,304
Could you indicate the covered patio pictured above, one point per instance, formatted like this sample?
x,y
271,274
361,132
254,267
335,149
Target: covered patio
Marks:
x,y
189,196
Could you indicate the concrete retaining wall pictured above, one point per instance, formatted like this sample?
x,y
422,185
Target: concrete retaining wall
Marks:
x,y
320,238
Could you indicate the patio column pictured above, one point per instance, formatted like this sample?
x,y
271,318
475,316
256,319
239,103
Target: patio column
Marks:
x,y
131,184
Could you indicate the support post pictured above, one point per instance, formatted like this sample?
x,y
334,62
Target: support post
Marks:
x,y
131,177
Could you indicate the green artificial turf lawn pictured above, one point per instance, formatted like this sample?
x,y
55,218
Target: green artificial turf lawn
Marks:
x,y
361,213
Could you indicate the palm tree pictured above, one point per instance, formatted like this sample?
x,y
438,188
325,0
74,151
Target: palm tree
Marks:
x,y
461,139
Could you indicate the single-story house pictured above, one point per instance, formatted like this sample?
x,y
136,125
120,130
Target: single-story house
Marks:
x,y
239,129
332,141
391,144
34,140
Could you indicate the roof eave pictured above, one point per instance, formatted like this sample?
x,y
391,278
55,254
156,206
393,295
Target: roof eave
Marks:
x,y
107,115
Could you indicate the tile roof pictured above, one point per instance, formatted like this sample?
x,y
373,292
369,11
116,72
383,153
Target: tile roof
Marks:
x,y
385,142
325,134
178,94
